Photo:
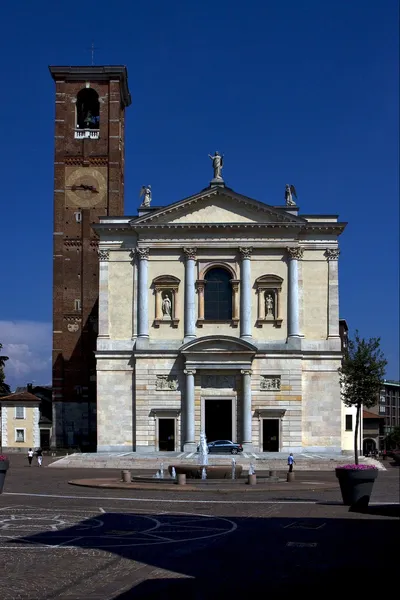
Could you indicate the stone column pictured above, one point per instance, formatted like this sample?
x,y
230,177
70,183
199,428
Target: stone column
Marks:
x,y
245,293
261,304
189,438
200,293
176,307
190,298
159,314
332,255
143,308
103,255
132,255
295,254
246,410
235,299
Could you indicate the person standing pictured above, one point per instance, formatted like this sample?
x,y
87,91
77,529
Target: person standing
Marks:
x,y
30,456
291,462
39,455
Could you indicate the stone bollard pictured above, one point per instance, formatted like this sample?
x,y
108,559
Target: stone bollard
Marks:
x,y
181,479
290,476
252,480
272,473
126,476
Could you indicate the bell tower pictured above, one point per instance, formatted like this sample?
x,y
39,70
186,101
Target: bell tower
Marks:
x,y
89,144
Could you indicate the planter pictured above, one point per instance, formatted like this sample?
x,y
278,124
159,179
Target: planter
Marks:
x,y
356,486
4,465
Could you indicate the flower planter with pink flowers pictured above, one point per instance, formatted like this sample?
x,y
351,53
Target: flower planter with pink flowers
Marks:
x,y
356,483
4,465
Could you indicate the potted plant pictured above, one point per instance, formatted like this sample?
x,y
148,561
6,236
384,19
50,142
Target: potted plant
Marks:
x,y
356,483
4,464
361,376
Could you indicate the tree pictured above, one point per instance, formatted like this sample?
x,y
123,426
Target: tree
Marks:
x,y
393,438
361,377
4,388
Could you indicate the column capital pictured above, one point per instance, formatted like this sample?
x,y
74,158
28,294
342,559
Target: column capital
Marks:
x,y
103,254
332,253
246,371
142,253
189,371
295,253
190,253
200,285
235,284
245,251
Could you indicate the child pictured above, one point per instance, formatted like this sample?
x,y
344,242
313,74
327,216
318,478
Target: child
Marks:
x,y
30,456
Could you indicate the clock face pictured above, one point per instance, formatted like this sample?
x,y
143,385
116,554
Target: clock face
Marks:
x,y
86,186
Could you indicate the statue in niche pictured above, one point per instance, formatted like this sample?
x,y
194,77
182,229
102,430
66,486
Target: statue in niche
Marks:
x,y
269,305
166,307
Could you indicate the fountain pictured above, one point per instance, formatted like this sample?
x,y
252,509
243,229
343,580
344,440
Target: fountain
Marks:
x,y
173,473
203,470
251,469
203,454
233,468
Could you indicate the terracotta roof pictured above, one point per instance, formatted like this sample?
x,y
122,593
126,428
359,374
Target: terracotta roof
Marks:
x,y
370,415
20,397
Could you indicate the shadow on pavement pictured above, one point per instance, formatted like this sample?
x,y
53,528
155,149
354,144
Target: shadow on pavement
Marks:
x,y
211,557
384,510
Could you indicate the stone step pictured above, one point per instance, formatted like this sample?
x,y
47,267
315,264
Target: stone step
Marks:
x,y
153,463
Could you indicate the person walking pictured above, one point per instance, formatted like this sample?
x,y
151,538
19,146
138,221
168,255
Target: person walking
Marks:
x,y
30,456
291,462
39,455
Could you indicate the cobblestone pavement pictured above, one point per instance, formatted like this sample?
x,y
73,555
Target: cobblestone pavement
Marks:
x,y
60,542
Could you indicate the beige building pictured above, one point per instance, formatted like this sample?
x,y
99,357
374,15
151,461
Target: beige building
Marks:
x,y
219,313
20,422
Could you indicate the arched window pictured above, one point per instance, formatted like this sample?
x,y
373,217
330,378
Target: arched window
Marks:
x,y
87,109
218,295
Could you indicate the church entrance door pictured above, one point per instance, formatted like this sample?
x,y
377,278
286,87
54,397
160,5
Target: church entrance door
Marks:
x,y
270,435
166,435
218,419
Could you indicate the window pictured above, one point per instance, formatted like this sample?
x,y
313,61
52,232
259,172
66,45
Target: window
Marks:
x,y
78,216
349,422
20,412
218,295
87,109
20,435
77,304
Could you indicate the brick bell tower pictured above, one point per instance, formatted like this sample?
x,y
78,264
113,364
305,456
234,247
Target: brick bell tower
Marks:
x,y
88,183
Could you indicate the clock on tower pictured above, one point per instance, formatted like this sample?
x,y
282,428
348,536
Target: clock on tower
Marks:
x,y
89,159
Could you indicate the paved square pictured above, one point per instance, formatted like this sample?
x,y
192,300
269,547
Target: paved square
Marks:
x,y
60,542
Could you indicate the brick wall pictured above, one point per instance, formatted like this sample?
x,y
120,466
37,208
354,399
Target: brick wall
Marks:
x,y
75,267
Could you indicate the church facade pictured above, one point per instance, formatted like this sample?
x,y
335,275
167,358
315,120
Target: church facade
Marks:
x,y
219,314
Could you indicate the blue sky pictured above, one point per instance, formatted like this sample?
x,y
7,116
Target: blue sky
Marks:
x,y
301,92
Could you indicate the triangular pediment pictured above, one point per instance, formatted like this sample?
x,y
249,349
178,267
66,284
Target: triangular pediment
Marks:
x,y
217,206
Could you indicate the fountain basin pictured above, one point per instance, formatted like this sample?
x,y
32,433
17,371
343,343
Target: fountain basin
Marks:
x,y
212,471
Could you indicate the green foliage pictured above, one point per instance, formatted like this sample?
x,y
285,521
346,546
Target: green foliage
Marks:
x,y
393,438
4,388
362,372
361,377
